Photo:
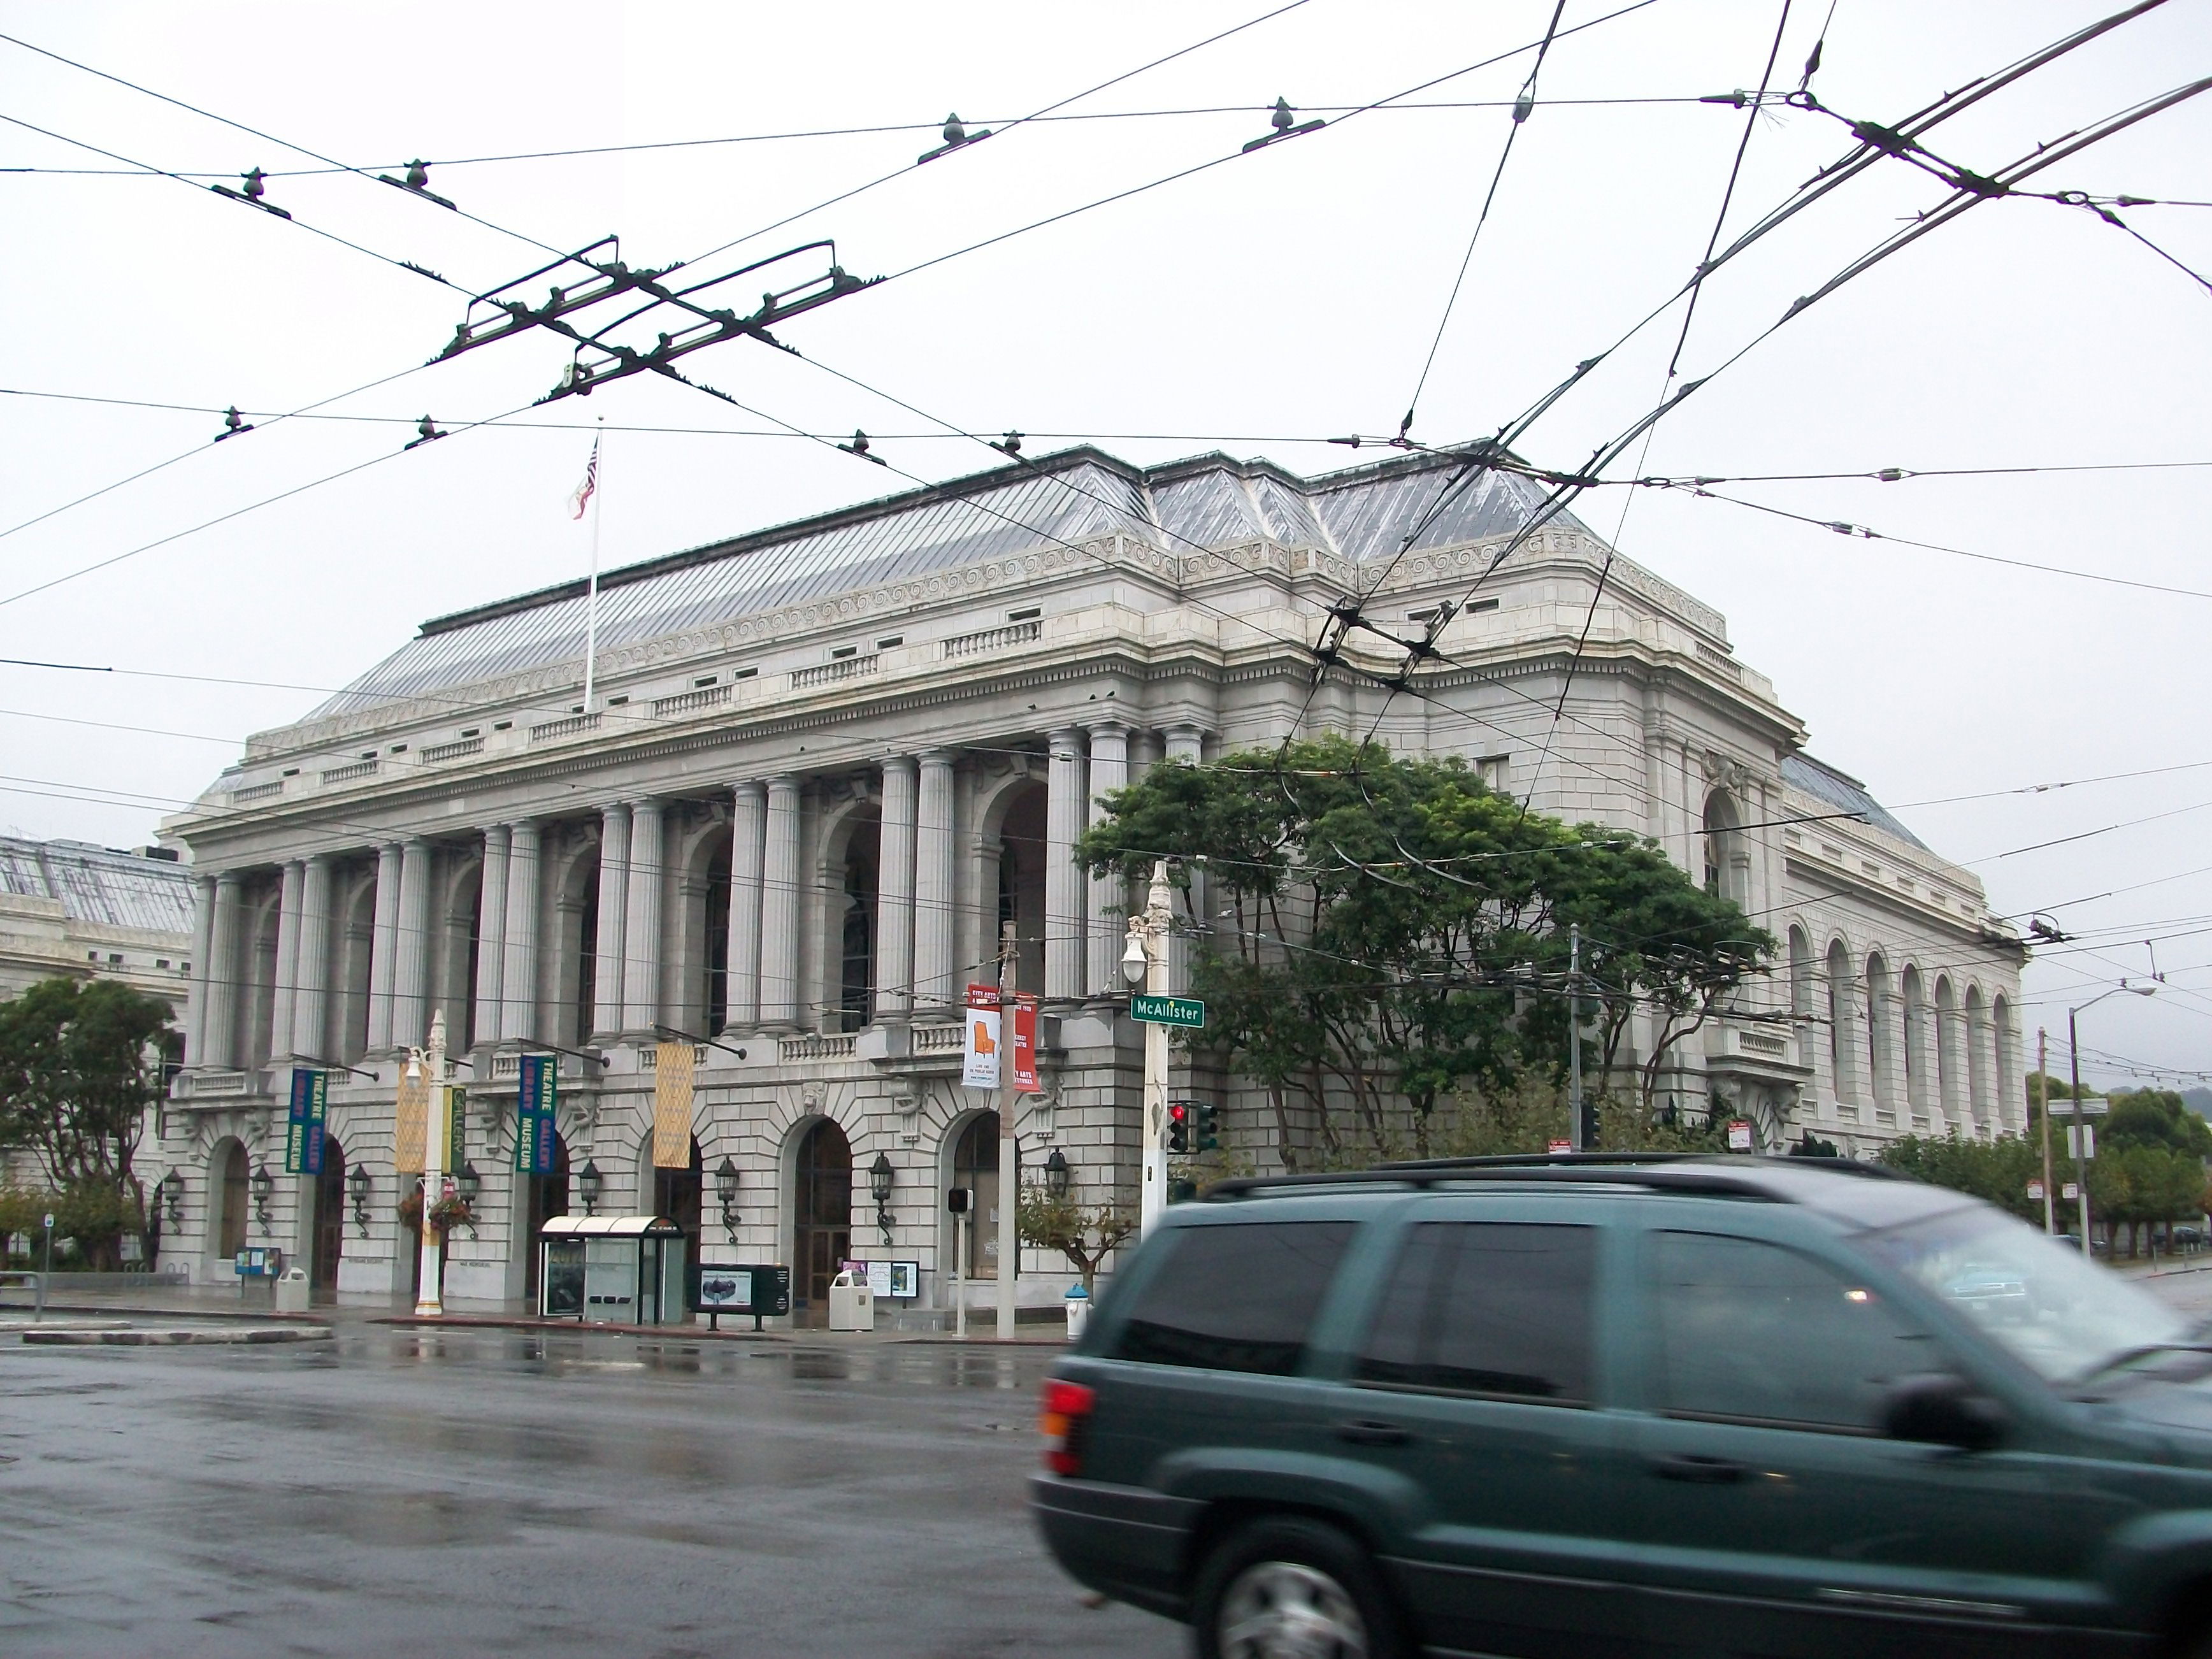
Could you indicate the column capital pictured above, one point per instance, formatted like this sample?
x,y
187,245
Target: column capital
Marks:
x,y
1107,728
944,757
1072,735
900,763
748,786
646,803
229,879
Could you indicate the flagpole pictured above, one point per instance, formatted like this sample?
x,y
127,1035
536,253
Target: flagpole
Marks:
x,y
591,599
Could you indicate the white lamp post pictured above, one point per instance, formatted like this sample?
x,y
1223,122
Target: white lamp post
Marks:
x,y
430,1064
1145,963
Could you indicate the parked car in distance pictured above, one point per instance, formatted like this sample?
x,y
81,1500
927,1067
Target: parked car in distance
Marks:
x,y
1607,1405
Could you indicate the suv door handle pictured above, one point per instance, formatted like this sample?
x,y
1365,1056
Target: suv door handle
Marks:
x,y
1368,1431
1698,1471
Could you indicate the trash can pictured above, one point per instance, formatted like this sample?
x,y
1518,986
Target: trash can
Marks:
x,y
852,1304
1077,1302
292,1292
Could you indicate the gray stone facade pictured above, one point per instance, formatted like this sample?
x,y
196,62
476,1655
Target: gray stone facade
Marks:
x,y
824,761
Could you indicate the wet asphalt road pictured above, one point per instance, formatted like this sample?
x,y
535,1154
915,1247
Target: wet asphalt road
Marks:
x,y
501,1492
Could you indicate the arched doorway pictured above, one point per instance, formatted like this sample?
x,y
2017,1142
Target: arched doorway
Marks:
x,y
330,1219
227,1187
676,1194
976,1166
548,1197
821,1218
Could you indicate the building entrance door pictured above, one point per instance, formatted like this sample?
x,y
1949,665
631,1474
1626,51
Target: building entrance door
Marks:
x,y
549,1197
821,1220
330,1219
677,1195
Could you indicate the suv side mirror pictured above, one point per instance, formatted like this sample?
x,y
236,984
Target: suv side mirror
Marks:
x,y
1942,1408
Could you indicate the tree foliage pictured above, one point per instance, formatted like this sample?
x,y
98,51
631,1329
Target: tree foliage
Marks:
x,y
1995,1171
1390,930
1085,1236
80,1061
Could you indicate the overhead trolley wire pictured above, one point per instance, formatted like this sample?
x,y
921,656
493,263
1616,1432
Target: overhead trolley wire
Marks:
x,y
847,196
995,123
1673,365
1523,105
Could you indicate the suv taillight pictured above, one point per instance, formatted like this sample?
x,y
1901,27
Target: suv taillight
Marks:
x,y
1063,1414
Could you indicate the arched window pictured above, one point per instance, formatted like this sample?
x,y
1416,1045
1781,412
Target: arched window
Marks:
x,y
1801,973
1947,1050
2011,1108
1978,1097
1880,1042
227,1197
1916,1037
976,1166
1841,1051
857,937
1727,861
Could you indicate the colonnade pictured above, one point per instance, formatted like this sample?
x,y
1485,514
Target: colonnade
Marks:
x,y
916,923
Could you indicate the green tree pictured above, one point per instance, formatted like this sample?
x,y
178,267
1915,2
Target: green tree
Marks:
x,y
1085,1236
1390,931
1997,1171
80,1064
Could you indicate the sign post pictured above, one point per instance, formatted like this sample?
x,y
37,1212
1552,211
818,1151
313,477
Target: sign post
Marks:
x,y
429,1299
1010,1096
40,1312
1147,955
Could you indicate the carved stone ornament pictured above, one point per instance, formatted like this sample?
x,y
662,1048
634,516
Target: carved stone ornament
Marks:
x,y
1728,772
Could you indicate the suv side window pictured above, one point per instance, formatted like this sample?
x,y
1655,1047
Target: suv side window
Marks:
x,y
1751,1332
1238,1297
1490,1308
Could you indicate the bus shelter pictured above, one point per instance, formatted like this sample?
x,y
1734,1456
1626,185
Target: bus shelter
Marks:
x,y
612,1270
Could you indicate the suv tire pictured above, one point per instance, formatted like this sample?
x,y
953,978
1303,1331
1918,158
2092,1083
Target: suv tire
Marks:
x,y
1289,1588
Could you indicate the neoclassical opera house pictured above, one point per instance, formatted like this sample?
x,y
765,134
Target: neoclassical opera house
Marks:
x,y
822,761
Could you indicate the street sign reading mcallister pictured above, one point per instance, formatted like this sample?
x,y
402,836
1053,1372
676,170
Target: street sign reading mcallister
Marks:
x,y
1168,1010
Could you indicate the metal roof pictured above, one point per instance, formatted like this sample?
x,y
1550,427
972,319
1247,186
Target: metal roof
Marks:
x,y
1210,501
100,884
1844,791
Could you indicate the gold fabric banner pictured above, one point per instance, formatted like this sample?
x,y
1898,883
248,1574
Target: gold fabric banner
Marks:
x,y
410,1122
672,1064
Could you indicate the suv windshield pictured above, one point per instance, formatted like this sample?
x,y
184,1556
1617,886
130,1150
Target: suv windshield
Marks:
x,y
2063,1316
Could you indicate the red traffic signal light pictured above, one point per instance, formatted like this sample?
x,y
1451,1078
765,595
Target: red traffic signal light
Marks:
x,y
1178,1126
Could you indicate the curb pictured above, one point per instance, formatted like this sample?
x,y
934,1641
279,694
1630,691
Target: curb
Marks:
x,y
701,1333
145,1339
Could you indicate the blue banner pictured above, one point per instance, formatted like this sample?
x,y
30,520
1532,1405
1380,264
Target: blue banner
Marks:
x,y
535,1105
304,1130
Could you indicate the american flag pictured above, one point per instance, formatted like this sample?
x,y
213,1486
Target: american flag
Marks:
x,y
582,498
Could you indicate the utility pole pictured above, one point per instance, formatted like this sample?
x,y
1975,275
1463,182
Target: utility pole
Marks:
x,y
1009,1237
2043,1106
2081,1163
1148,956
437,1126
1575,1034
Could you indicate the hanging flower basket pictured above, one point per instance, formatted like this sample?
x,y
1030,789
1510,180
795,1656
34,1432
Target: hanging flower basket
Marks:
x,y
448,1213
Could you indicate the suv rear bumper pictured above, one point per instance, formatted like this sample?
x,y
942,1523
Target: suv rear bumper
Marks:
x,y
1123,1541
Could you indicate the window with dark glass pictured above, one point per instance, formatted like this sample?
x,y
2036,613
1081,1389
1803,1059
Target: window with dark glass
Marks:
x,y
1239,1298
1751,1331
1496,1307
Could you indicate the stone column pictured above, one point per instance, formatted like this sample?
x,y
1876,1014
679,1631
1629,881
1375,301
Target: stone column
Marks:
x,y
285,984
491,931
747,828
518,987
649,862
1185,744
1850,1080
779,994
1065,892
1950,1103
196,997
410,979
220,1031
934,877
1109,770
609,947
895,931
311,978
383,940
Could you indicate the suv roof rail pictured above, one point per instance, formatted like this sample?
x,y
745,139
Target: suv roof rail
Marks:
x,y
1734,1176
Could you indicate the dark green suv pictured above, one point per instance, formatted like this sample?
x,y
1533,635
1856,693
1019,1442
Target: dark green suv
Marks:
x,y
1591,1406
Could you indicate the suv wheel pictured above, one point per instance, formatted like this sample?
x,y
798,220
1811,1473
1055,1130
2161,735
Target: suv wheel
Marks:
x,y
1293,1588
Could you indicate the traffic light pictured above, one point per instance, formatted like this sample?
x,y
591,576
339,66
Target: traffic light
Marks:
x,y
1209,1127
1178,1125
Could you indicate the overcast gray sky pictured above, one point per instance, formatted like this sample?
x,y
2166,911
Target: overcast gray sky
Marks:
x,y
1264,304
